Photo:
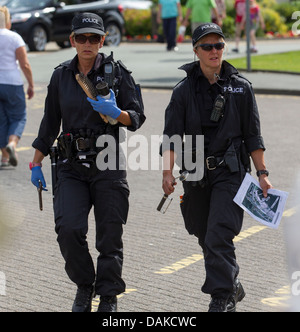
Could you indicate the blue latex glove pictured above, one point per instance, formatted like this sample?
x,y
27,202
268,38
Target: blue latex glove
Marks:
x,y
36,176
106,106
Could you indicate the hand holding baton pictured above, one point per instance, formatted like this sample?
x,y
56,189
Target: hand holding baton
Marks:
x,y
182,178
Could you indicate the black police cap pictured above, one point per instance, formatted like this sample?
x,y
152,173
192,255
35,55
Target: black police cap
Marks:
x,y
88,23
205,29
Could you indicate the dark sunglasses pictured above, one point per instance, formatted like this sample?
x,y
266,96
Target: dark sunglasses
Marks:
x,y
209,47
93,39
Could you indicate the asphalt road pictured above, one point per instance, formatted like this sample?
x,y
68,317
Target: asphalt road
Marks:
x,y
153,67
163,266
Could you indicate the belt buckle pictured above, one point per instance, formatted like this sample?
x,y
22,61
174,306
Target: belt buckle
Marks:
x,y
77,144
208,161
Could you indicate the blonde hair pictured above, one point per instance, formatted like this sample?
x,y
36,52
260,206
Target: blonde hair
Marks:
x,y
4,17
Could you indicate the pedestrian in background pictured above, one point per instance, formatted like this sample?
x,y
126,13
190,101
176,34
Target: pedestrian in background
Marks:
x,y
221,8
12,96
240,10
168,12
200,12
256,21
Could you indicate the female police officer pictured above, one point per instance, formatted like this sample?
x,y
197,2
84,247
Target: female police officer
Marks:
x,y
80,184
215,101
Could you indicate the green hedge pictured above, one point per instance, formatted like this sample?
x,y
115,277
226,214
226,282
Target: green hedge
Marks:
x,y
138,22
278,19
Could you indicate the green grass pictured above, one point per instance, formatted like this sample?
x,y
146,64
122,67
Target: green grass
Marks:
x,y
289,61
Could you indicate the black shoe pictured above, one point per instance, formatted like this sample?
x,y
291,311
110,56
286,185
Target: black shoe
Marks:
x,y
108,304
237,296
218,304
83,299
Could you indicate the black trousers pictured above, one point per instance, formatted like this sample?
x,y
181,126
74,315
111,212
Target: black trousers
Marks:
x,y
211,215
169,26
75,195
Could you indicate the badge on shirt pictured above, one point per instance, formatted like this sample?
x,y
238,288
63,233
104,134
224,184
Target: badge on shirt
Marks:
x,y
99,79
233,89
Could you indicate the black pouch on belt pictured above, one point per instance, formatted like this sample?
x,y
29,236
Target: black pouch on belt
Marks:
x,y
231,160
245,158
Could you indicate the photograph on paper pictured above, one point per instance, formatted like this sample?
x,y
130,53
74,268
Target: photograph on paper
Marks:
x,y
267,210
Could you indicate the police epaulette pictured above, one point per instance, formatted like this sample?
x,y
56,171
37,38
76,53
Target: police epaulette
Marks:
x,y
63,64
123,66
242,77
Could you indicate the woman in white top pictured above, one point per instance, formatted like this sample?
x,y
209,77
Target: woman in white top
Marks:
x,y
12,98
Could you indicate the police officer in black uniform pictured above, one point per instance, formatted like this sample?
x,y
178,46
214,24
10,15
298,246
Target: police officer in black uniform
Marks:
x,y
80,184
214,100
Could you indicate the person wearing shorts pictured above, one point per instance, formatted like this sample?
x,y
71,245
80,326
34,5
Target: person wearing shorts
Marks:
x,y
12,96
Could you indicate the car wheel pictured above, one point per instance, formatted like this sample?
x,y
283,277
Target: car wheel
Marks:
x,y
37,39
114,34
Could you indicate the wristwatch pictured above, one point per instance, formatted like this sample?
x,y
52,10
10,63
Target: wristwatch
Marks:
x,y
31,165
264,171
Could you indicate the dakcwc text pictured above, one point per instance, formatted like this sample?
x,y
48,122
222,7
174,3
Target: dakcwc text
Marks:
x,y
150,321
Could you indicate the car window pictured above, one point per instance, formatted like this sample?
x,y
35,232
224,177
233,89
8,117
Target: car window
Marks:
x,y
27,3
85,1
72,2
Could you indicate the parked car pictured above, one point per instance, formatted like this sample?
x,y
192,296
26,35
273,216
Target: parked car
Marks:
x,y
134,4
41,21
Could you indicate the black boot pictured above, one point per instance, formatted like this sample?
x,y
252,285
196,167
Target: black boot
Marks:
x,y
107,304
237,296
218,304
83,299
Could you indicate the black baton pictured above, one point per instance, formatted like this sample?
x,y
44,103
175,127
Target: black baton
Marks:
x,y
40,190
182,178
162,202
53,157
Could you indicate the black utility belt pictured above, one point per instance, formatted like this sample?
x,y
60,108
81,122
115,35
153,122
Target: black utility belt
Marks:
x,y
213,162
229,160
71,145
85,144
